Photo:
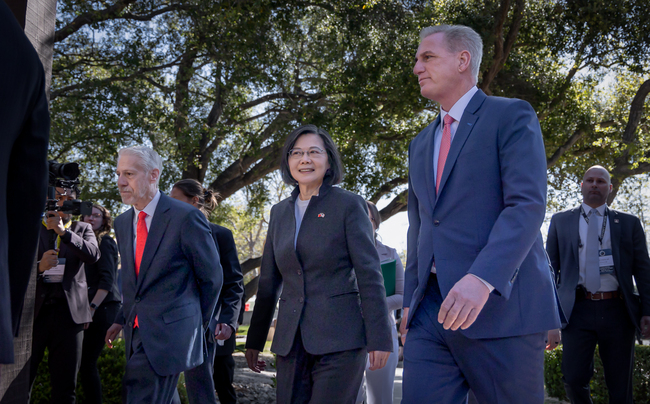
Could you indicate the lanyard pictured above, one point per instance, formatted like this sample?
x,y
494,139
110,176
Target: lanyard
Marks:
x,y
58,238
602,231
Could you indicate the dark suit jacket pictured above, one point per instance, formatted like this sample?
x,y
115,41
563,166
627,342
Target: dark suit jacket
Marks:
x,y
24,133
485,218
78,247
330,285
103,273
628,249
178,286
229,303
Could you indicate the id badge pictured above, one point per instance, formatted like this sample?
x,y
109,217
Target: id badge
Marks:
x,y
606,262
55,275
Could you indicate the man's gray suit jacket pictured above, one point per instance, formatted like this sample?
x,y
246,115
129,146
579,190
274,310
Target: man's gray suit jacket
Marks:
x,y
629,251
330,285
176,291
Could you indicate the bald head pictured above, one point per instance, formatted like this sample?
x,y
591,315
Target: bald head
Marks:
x,y
596,186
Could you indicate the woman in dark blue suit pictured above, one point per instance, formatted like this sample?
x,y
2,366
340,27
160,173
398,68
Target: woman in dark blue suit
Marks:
x,y
321,263
218,369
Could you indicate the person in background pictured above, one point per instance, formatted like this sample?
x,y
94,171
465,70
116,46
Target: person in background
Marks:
x,y
218,368
602,268
104,298
320,261
378,386
62,309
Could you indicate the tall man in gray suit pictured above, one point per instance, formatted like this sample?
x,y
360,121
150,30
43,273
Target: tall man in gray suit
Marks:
x,y
596,251
169,281
478,293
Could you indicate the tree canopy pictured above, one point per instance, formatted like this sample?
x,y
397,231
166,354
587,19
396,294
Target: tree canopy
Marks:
x,y
216,86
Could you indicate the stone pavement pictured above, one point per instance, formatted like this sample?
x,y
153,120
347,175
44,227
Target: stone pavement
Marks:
x,y
254,388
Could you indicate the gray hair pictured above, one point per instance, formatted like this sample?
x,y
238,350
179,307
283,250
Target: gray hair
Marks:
x,y
149,158
459,38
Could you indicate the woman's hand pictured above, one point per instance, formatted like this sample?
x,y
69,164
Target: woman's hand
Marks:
x,y
378,359
254,364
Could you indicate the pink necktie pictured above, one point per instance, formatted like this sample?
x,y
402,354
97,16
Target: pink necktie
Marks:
x,y
445,144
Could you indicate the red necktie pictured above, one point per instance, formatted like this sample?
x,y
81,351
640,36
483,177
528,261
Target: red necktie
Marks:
x,y
140,241
445,144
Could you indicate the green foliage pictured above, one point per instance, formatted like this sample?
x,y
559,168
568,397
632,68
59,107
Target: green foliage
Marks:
x,y
111,365
215,87
641,376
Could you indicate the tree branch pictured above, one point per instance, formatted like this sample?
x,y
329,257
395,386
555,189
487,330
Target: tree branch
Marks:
x,y
97,83
387,188
502,48
398,204
112,13
276,96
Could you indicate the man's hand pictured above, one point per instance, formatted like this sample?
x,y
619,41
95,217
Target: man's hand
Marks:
x,y
402,324
553,340
645,327
254,364
377,359
49,260
111,334
53,222
463,303
222,331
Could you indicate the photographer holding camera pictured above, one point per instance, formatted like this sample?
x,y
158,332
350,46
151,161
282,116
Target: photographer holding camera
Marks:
x,y
62,309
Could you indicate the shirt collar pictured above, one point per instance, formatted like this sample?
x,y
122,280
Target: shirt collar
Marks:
x,y
600,209
150,209
457,110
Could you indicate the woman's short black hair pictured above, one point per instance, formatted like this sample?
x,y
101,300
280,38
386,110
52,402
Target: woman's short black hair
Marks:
x,y
334,174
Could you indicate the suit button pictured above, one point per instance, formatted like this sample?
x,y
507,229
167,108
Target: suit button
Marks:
x,y
301,300
130,324
299,273
137,300
436,223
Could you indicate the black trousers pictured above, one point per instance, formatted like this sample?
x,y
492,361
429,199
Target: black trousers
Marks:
x,y
224,375
605,323
93,345
55,330
319,379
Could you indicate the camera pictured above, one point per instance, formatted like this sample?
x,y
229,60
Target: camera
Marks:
x,y
64,175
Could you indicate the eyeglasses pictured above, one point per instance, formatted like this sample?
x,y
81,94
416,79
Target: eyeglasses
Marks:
x,y
314,152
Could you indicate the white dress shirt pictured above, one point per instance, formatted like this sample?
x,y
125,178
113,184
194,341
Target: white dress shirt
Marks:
x,y
150,209
608,282
456,112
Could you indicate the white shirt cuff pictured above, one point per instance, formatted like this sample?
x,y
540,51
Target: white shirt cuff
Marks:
x,y
490,287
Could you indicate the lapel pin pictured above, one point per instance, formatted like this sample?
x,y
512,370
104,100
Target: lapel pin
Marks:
x,y
615,220
321,215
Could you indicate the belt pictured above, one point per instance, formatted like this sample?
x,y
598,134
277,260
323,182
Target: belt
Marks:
x,y
601,295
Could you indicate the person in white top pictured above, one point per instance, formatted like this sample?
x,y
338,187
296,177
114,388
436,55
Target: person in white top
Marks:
x,y
377,386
